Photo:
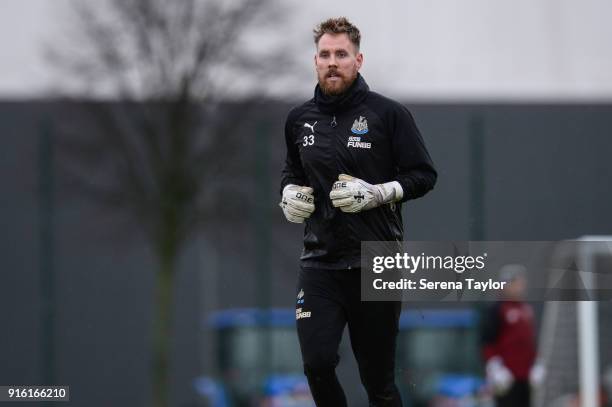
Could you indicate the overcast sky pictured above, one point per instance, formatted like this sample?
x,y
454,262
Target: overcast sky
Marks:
x,y
419,49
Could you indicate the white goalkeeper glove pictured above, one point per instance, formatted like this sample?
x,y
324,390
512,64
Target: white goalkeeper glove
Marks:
x,y
499,376
297,203
537,374
352,194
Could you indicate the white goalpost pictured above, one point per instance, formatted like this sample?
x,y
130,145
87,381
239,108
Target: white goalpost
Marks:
x,y
570,336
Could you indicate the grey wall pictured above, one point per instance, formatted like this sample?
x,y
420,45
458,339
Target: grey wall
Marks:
x,y
547,171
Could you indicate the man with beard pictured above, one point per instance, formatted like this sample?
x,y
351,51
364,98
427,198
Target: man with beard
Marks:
x,y
353,156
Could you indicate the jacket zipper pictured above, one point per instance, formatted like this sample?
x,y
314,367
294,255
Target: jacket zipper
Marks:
x,y
333,122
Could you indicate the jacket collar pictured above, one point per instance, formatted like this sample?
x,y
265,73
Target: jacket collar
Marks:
x,y
353,96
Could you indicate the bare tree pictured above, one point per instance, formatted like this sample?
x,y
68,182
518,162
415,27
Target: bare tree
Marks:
x,y
159,147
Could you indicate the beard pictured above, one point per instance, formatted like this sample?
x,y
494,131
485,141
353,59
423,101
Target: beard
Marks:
x,y
335,87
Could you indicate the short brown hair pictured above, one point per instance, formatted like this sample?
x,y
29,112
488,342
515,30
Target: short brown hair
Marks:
x,y
339,25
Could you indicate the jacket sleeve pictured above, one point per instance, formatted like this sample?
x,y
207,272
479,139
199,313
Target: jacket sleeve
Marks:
x,y
293,172
415,169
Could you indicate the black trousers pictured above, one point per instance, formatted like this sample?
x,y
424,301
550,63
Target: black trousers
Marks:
x,y
327,301
518,395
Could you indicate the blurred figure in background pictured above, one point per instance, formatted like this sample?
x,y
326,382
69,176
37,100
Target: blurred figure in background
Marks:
x,y
509,345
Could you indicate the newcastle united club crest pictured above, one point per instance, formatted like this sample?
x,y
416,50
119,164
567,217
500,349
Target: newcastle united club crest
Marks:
x,y
360,126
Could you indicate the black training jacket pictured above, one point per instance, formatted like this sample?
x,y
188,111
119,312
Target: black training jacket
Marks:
x,y
368,136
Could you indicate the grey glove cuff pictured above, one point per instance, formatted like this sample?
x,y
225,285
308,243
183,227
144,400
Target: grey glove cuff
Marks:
x,y
390,192
289,186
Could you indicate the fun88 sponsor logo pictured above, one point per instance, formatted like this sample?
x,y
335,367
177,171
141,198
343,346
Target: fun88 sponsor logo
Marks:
x,y
356,142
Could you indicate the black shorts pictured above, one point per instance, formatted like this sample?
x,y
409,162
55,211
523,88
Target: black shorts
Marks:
x,y
329,300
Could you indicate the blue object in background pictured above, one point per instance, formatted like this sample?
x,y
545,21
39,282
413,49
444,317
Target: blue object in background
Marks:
x,y
285,317
285,384
212,390
458,386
